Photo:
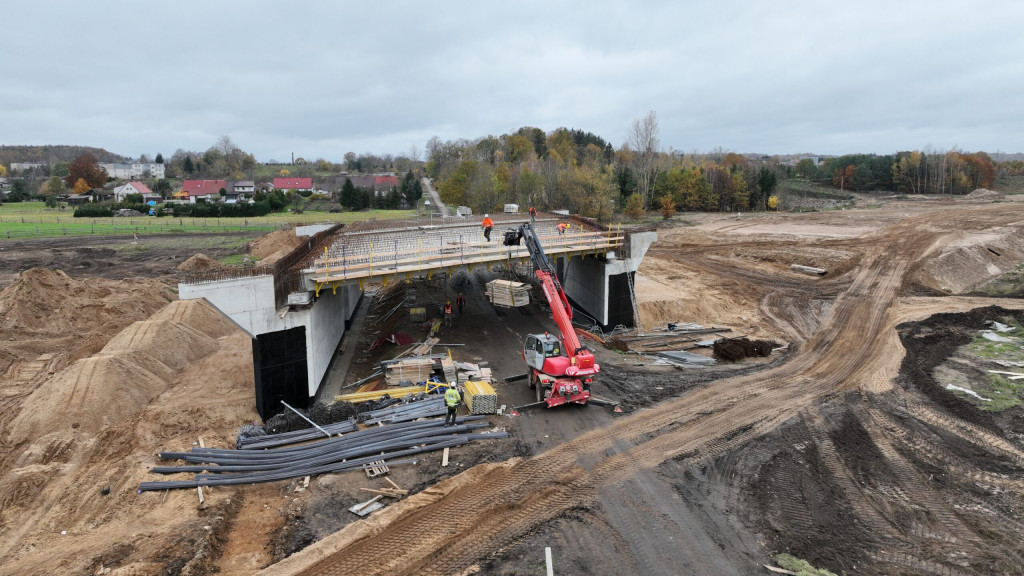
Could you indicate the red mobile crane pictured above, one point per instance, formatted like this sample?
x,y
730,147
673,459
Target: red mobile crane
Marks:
x,y
561,369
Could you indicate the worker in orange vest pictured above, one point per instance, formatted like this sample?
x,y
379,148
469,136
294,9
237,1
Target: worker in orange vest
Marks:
x,y
562,227
461,302
487,225
448,313
533,214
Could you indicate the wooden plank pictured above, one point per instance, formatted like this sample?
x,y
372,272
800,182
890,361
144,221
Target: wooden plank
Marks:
x,y
199,489
367,503
444,458
393,485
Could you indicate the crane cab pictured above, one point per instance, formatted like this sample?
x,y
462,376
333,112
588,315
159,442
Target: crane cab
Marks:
x,y
540,347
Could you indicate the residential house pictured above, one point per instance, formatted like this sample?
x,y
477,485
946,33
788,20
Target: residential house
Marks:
x,y
237,191
78,199
133,187
208,190
19,166
134,170
300,184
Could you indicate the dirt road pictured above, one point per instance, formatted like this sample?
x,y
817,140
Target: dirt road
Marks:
x,y
843,364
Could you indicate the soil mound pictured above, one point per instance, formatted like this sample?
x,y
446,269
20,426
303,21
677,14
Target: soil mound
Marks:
x,y
200,315
199,263
982,195
278,241
90,395
48,302
973,260
171,343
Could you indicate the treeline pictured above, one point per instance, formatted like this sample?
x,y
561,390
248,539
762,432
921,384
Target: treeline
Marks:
x,y
580,171
51,155
916,172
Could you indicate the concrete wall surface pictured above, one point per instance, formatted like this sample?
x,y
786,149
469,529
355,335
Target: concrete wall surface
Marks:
x,y
250,303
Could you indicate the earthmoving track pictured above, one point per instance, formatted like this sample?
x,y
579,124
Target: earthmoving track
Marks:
x,y
466,526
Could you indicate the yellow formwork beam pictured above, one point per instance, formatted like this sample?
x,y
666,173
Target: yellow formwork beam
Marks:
x,y
356,397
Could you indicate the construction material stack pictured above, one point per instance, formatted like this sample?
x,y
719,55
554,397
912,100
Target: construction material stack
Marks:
x,y
480,398
507,293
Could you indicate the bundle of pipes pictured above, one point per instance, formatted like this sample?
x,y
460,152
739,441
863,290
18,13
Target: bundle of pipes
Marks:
x,y
351,451
296,436
426,408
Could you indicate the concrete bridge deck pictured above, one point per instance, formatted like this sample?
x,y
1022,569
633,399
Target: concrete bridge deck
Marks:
x,y
425,249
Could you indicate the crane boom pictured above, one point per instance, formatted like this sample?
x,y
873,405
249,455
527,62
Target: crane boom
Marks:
x,y
560,373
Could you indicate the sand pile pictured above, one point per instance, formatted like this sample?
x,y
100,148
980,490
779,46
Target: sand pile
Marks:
x,y
199,315
199,263
171,343
283,241
48,302
90,395
973,260
136,365
982,195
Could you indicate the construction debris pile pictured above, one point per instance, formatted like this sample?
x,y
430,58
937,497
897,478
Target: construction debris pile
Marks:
x,y
733,349
508,294
400,434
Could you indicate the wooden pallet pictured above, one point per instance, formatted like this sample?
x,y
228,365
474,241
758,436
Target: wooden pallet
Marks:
x,y
374,469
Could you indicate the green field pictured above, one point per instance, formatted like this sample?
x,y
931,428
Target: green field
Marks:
x,y
35,220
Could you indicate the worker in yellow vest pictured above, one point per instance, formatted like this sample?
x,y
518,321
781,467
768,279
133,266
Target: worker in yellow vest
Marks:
x,y
452,397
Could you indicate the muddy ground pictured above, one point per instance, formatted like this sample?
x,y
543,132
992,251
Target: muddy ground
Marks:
x,y
839,450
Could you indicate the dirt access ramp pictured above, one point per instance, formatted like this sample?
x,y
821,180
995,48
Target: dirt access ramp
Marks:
x,y
845,357
77,446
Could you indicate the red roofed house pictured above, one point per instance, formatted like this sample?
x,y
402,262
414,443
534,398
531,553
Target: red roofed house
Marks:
x,y
299,184
208,189
131,188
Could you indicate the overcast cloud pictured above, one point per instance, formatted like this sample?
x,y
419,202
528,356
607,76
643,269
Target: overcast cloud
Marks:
x,y
323,78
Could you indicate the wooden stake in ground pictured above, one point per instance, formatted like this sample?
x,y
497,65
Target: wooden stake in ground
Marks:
x,y
444,457
199,489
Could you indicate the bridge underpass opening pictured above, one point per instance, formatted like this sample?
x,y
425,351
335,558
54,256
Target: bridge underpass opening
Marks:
x,y
280,370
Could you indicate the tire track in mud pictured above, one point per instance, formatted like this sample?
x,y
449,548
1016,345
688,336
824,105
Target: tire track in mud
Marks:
x,y
505,504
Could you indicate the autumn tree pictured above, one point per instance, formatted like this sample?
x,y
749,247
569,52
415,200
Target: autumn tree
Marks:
x,y
666,207
643,140
81,187
455,190
634,208
85,167
3,171
53,187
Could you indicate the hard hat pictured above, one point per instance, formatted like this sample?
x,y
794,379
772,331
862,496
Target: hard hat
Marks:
x,y
487,215
451,384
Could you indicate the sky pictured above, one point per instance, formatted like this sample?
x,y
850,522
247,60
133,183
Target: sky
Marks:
x,y
319,79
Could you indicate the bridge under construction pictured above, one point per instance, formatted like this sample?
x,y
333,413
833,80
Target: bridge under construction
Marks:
x,y
298,310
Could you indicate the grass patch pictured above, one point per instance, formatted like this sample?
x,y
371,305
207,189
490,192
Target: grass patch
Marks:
x,y
801,567
238,261
996,350
808,189
35,220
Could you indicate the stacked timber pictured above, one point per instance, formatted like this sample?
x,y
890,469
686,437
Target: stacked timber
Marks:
x,y
480,398
507,293
469,371
449,369
409,370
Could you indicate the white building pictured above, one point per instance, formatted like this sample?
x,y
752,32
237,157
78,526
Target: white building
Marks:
x,y
134,170
131,188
